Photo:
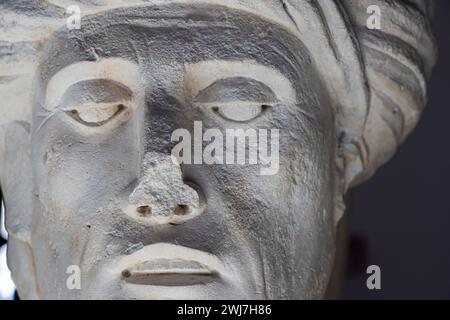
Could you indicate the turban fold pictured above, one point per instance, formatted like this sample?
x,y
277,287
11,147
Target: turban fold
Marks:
x,y
376,78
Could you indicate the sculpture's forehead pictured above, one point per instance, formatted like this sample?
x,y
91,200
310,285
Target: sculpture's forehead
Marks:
x,y
187,33
274,10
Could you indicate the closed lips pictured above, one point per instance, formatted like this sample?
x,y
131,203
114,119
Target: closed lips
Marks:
x,y
169,272
166,264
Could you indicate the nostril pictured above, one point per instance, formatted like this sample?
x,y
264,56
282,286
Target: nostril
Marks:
x,y
181,209
144,210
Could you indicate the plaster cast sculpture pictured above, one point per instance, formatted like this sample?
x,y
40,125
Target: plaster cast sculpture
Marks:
x,y
87,121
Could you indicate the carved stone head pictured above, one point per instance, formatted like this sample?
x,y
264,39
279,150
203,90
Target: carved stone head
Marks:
x,y
98,126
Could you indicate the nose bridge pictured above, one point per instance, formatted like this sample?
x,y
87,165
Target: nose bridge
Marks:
x,y
164,112
161,195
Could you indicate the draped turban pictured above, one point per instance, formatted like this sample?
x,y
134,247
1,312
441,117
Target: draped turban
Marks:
x,y
375,78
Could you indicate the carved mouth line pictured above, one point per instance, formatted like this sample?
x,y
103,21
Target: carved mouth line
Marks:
x,y
169,272
167,264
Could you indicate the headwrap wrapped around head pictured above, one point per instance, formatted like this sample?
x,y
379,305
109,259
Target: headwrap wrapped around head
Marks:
x,y
376,78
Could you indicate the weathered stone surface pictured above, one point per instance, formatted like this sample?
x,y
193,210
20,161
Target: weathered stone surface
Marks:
x,y
87,123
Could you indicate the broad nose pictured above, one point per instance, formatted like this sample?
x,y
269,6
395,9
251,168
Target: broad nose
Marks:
x,y
161,196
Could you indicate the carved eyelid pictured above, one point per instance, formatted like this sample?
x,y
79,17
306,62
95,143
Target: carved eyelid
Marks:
x,y
95,91
89,115
236,89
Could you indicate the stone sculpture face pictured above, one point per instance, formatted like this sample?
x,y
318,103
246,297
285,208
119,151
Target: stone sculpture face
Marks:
x,y
99,125
95,183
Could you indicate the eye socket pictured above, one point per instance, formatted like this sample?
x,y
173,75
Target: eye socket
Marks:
x,y
96,116
240,111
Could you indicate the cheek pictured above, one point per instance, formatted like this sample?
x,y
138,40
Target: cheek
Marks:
x,y
73,172
309,171
309,168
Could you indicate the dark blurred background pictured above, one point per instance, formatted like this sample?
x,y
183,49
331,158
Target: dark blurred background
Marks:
x,y
400,219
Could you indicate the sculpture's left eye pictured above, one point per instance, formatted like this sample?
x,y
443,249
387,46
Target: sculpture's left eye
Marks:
x,y
98,115
241,111
237,99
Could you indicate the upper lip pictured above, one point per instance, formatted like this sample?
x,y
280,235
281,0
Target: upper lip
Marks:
x,y
169,264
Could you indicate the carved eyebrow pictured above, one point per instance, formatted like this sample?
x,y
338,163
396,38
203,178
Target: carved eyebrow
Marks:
x,y
115,70
201,75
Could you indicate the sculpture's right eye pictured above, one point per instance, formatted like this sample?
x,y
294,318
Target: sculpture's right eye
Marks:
x,y
96,102
96,115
